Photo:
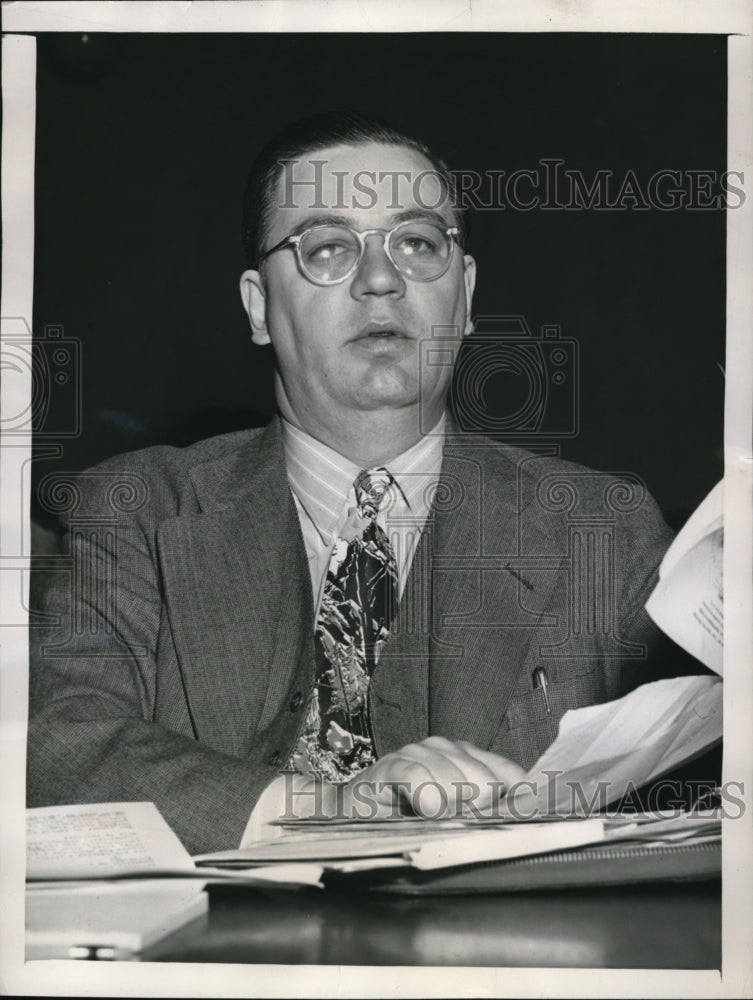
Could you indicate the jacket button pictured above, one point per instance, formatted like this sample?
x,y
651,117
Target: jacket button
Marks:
x,y
296,701
275,759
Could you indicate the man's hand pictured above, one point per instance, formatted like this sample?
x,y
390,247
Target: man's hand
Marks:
x,y
434,778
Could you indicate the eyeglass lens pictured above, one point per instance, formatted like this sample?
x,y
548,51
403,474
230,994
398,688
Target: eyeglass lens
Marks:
x,y
420,250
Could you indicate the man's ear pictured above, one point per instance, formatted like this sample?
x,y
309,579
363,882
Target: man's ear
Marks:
x,y
469,277
255,303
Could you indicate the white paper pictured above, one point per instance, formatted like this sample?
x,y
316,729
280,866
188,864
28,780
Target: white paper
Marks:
x,y
603,752
687,602
660,828
102,839
337,843
433,845
512,841
106,840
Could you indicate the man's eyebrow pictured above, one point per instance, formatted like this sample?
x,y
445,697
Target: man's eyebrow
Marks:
x,y
323,220
407,215
418,215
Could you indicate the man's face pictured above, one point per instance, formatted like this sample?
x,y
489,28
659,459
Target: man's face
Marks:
x,y
354,347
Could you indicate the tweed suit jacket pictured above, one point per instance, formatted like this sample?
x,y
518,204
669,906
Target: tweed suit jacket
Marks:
x,y
177,653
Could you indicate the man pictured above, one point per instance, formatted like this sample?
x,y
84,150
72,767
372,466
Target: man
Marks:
x,y
359,594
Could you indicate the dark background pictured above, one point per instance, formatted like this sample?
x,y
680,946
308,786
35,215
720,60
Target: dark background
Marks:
x,y
143,144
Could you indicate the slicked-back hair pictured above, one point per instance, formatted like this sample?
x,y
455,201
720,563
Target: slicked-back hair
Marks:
x,y
310,135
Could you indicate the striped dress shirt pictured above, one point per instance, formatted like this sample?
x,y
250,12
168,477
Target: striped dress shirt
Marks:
x,y
322,485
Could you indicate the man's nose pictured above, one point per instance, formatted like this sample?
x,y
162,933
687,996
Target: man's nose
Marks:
x,y
376,274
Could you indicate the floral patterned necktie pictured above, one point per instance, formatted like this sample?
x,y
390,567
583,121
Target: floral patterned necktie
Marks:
x,y
356,614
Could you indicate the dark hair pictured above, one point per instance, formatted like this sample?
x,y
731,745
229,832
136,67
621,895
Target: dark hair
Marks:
x,y
328,128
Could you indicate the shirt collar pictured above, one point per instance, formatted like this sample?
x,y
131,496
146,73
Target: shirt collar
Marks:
x,y
322,479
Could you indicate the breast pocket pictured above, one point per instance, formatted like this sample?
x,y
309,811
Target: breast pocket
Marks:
x,y
529,725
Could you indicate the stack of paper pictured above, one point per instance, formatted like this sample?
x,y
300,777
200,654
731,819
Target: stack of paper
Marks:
x,y
430,844
656,829
490,855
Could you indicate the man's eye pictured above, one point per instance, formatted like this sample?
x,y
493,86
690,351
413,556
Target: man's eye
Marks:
x,y
327,251
415,246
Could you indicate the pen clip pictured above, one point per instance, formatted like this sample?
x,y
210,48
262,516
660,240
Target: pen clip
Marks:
x,y
540,682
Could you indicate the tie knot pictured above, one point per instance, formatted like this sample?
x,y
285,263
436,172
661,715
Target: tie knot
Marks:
x,y
371,486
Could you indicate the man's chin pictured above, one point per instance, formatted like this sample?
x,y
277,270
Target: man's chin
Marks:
x,y
398,388
382,402
389,387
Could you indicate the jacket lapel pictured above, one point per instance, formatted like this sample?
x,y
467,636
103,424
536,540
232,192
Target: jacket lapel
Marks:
x,y
238,593
488,599
471,607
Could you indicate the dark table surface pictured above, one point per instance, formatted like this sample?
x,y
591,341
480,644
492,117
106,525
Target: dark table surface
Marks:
x,y
674,925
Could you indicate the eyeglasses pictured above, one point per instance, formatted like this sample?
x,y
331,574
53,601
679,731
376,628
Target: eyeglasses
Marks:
x,y
328,254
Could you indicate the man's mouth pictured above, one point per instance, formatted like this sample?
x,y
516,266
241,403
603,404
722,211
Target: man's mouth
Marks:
x,y
380,331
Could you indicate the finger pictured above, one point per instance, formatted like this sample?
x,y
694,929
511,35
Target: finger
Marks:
x,y
433,789
444,764
486,776
465,784
503,769
421,780
481,771
395,777
440,777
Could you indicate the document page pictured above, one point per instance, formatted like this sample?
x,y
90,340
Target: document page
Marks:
x,y
101,840
65,844
687,601
603,752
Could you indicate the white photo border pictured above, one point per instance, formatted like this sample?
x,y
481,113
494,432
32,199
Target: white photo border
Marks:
x,y
730,17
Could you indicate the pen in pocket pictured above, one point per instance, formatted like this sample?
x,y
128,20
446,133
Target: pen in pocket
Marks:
x,y
540,682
